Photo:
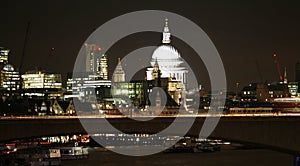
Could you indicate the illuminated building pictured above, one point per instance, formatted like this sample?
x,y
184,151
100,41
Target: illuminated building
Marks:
x,y
102,68
39,79
119,74
92,89
293,88
83,86
38,83
92,53
255,92
75,81
95,62
4,53
10,79
168,60
264,92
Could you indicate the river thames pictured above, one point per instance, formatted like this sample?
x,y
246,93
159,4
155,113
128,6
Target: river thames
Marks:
x,y
228,156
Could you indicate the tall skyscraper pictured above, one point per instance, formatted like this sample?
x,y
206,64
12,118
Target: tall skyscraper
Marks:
x,y
92,53
102,67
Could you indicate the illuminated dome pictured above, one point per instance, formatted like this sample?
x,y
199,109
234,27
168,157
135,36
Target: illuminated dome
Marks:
x,y
165,52
167,56
8,67
168,60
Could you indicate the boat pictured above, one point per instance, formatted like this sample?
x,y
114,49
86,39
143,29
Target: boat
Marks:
x,y
37,157
206,147
73,153
187,145
289,104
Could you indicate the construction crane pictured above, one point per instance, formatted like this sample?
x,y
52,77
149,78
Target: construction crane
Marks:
x,y
24,46
278,67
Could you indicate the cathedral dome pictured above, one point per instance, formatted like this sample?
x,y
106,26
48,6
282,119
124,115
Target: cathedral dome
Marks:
x,y
167,56
165,52
167,59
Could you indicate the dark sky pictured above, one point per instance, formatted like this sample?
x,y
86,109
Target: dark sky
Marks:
x,y
245,33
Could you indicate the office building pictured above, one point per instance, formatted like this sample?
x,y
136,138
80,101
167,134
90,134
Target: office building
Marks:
x,y
39,83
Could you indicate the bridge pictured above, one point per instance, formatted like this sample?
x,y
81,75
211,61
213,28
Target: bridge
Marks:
x,y
280,133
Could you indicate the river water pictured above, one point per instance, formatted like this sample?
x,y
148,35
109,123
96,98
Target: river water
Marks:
x,y
228,156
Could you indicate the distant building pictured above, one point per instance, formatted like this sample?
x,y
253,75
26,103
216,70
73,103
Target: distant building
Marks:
x,y
92,90
119,74
4,54
83,86
9,77
102,67
278,90
76,80
293,88
92,53
264,92
255,92
39,83
168,59
138,90
10,80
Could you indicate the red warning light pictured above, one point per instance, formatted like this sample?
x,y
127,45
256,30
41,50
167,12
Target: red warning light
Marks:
x,y
52,49
99,48
274,55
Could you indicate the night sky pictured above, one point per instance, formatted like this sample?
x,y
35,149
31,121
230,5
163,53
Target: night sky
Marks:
x,y
245,33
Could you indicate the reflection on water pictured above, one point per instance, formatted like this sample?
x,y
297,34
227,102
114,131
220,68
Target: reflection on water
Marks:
x,y
82,150
228,156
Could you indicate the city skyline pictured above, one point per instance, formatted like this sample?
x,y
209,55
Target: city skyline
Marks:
x,y
248,32
76,89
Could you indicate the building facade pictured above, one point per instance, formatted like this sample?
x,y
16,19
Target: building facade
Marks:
x,y
102,67
39,83
263,92
168,59
10,80
119,74
92,53
4,54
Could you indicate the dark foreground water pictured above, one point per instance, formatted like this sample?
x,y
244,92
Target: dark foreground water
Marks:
x,y
228,156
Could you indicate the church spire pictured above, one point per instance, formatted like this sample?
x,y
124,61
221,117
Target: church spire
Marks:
x,y
166,33
156,67
285,80
156,71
